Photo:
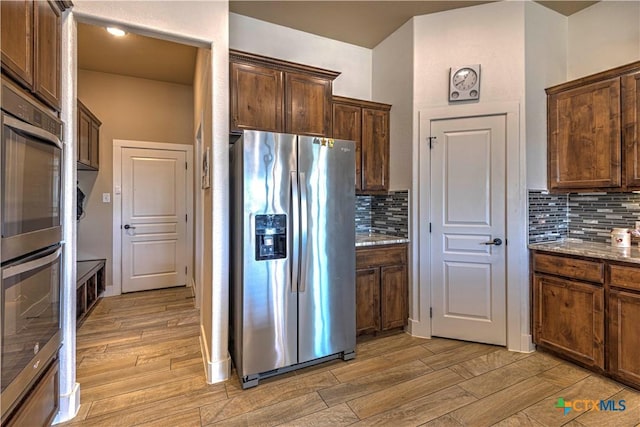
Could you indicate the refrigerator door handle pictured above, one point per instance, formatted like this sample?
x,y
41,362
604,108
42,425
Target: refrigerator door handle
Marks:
x,y
303,232
295,230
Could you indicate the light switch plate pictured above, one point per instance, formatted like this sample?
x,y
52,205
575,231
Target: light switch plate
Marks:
x,y
106,197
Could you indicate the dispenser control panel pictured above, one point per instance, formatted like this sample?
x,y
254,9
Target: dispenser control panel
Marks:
x,y
271,236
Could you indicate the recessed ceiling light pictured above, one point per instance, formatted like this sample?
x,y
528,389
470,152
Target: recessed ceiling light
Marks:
x,y
116,31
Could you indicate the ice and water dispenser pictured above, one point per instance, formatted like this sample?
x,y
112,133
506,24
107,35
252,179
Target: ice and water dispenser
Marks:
x,y
271,237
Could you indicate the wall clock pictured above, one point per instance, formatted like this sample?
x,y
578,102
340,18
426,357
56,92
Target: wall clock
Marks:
x,y
464,83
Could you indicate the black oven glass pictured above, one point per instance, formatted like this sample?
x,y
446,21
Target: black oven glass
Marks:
x,y
30,311
31,184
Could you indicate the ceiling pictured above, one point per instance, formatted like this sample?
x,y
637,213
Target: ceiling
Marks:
x,y
362,23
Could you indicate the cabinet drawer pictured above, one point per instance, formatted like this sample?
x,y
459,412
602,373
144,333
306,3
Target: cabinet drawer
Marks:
x,y
625,277
392,255
569,267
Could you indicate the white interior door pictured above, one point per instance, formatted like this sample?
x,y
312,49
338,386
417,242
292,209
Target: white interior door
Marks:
x,y
468,280
154,219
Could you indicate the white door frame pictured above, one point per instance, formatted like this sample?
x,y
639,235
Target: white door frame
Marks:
x,y
118,145
518,328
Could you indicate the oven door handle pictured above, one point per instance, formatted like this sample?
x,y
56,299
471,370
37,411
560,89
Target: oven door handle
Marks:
x,y
25,128
14,270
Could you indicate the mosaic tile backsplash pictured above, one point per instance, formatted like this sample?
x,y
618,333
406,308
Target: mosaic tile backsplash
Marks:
x,y
384,213
548,216
589,216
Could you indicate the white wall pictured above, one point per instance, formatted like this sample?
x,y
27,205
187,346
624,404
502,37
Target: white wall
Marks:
x,y
263,38
545,65
206,24
603,36
491,35
393,84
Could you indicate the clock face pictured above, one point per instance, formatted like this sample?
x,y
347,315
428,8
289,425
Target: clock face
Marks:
x,y
464,83
465,79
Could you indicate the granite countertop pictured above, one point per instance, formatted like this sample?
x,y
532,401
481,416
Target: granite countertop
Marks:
x,y
373,239
590,249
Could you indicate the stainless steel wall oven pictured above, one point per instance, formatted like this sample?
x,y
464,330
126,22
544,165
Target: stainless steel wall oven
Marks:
x,y
30,321
31,178
30,251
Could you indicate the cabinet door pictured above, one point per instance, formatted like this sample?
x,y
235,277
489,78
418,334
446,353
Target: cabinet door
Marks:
x,y
584,146
308,105
41,403
375,149
94,145
256,98
47,28
16,40
347,125
624,340
631,128
84,137
367,300
393,306
568,317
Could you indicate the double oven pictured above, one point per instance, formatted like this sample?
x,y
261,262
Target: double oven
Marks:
x,y
30,251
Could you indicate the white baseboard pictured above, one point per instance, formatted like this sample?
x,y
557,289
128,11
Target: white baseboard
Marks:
x,y
215,371
417,329
69,405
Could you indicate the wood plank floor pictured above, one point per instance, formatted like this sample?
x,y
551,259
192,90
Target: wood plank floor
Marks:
x,y
139,363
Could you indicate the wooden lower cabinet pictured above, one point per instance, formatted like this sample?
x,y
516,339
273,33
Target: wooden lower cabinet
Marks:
x,y
624,339
41,404
381,289
576,300
367,300
569,318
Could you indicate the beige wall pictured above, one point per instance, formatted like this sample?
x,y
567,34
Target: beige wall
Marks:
x,y
129,108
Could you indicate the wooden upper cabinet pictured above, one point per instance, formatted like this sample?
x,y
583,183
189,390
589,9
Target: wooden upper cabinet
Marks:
x,y
47,34
366,123
347,124
584,137
592,135
375,149
30,43
308,105
256,97
631,128
279,96
16,40
88,137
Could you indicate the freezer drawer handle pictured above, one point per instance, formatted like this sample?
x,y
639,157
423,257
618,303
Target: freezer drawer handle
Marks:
x,y
295,227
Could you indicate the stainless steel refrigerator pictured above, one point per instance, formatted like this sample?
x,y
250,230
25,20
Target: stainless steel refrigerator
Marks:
x,y
292,253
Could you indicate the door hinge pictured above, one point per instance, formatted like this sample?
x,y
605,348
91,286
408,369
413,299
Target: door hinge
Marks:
x,y
186,217
185,269
186,165
431,140
430,312
429,227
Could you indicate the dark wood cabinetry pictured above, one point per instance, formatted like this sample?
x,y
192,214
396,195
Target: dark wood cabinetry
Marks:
x,y
592,126
279,96
570,316
41,404
624,317
366,123
256,98
30,44
88,139
90,285
381,288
